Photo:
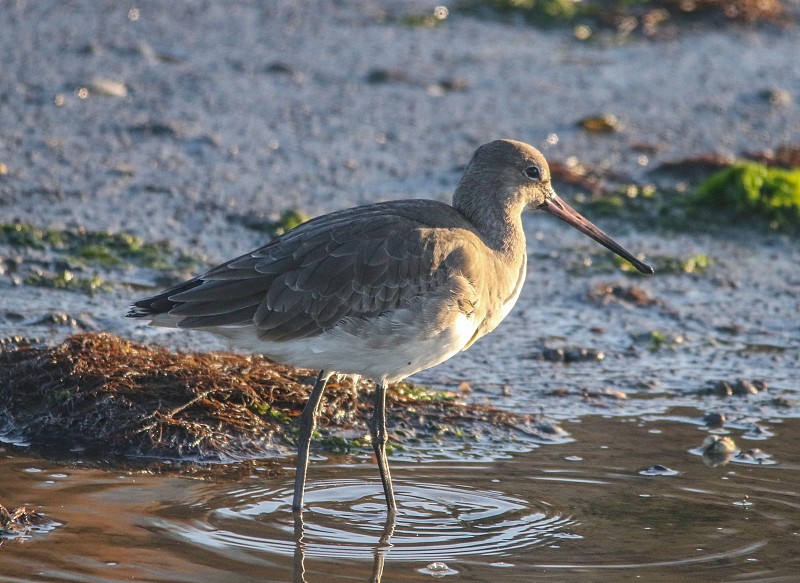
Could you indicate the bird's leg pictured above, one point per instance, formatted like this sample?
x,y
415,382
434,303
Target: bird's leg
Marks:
x,y
308,422
379,438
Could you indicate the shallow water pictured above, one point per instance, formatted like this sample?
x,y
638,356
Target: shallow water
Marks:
x,y
584,510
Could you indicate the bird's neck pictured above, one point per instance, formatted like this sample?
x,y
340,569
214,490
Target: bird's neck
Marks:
x,y
500,226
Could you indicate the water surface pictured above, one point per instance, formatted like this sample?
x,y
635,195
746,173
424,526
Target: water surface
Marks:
x,y
584,510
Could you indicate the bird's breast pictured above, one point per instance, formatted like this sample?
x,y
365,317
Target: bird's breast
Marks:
x,y
501,301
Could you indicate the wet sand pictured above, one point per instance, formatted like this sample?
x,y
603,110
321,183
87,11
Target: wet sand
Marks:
x,y
256,108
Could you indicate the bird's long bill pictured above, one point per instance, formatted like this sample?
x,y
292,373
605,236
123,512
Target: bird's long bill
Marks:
x,y
557,207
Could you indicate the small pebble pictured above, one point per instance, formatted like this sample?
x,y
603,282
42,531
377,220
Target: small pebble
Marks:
x,y
454,84
630,294
740,388
279,68
716,445
744,387
438,569
601,124
777,96
715,420
379,76
56,319
613,393
751,454
723,389
717,451
658,470
108,88
570,355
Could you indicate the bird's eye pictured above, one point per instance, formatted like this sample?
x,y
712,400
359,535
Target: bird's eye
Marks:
x,y
533,172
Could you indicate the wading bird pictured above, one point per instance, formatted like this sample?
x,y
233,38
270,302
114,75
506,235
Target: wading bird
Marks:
x,y
382,290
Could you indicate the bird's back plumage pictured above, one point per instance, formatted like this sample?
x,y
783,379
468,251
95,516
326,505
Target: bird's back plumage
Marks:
x,y
354,264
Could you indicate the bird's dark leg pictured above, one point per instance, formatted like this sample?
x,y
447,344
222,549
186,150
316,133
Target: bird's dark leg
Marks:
x,y
379,438
308,422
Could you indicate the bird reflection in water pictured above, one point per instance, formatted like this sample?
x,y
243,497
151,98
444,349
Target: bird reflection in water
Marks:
x,y
379,554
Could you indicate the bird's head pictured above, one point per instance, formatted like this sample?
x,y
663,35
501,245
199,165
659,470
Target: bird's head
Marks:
x,y
505,177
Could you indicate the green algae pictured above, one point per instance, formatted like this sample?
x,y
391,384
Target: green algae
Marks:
x,y
604,262
643,201
26,235
657,341
68,281
80,259
625,16
98,247
423,394
694,264
748,188
428,19
288,220
539,12
265,410
98,254
344,445
611,204
666,265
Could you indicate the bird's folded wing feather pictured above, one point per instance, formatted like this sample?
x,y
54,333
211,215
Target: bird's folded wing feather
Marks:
x,y
343,265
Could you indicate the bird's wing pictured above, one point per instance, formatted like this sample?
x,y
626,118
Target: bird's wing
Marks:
x,y
343,265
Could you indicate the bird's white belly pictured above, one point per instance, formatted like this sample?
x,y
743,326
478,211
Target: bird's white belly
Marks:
x,y
387,351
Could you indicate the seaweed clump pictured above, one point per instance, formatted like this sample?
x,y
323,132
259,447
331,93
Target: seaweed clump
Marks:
x,y
628,15
100,394
18,522
748,187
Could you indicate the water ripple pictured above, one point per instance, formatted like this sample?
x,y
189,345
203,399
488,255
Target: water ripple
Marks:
x,y
347,519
